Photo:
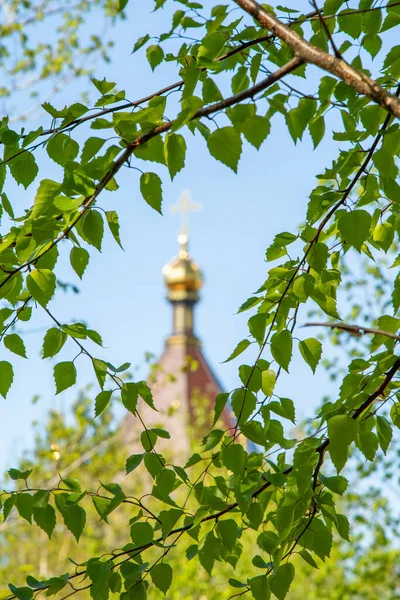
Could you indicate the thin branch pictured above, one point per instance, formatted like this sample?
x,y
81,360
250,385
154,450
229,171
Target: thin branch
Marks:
x,y
142,139
215,516
349,13
357,330
311,54
326,29
380,391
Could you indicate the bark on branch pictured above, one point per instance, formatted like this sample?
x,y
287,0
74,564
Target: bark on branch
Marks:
x,y
143,138
357,330
311,54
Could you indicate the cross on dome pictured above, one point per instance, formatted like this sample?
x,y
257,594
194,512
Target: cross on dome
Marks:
x,y
184,206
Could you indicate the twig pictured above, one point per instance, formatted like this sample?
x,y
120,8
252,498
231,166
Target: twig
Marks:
x,y
293,64
311,54
357,330
326,29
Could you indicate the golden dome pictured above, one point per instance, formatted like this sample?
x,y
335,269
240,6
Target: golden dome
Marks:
x,y
182,276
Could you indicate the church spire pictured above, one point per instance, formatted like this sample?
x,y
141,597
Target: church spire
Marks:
x,y
183,279
184,385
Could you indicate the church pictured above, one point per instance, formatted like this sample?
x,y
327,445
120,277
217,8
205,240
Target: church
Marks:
x,y
183,383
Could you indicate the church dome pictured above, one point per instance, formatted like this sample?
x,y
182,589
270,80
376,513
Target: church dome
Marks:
x,y
182,275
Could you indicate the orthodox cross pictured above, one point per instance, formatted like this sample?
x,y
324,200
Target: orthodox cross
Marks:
x,y
184,206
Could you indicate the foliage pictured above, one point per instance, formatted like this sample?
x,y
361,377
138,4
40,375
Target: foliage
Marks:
x,y
351,571
286,497
44,66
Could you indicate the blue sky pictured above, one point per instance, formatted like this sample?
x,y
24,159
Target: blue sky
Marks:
x,y
122,294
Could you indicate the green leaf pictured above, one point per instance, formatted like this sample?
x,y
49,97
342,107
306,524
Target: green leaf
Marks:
x,y
8,506
161,576
395,414
220,403
103,86
352,26
148,440
257,325
62,149
255,129
47,191
169,519
41,498
141,534
342,431
255,515
234,458
317,130
130,395
24,506
311,351
227,530
102,401
225,145
155,55
45,518
14,343
24,168
240,81
152,150
318,256
175,151
91,228
298,118
212,439
74,516
343,527
16,474
368,443
243,404
64,375
384,432
140,42
53,341
115,582
145,393
91,148
268,380
284,408
284,520
332,6
113,223
354,227
337,484
281,581
100,368
41,284
21,593
6,377
241,347
253,431
259,587
150,186
281,348
305,555
79,258
132,462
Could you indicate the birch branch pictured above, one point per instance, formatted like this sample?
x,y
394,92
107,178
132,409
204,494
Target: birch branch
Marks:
x,y
309,53
357,330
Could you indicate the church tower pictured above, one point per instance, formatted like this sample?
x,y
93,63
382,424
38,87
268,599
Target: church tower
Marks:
x,y
183,384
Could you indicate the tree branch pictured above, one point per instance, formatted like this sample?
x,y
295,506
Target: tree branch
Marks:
x,y
311,54
326,29
215,516
143,138
357,330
